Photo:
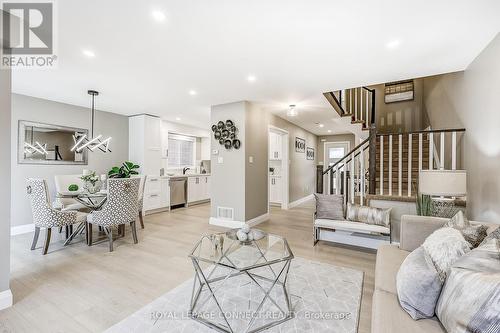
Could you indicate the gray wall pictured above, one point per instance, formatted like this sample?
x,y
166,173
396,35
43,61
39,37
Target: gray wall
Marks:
x,y
45,111
333,138
228,178
5,199
302,172
470,99
256,178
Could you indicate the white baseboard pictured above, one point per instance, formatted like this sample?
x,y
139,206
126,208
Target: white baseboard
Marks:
x,y
5,299
300,201
238,224
258,219
22,229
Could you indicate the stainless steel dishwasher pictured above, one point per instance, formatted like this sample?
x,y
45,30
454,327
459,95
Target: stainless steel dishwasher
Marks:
x,y
177,191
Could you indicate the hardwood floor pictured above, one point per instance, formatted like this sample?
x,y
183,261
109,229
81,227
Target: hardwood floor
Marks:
x,y
88,289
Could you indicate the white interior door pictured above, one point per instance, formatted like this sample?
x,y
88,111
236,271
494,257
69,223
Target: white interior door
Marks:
x,y
334,152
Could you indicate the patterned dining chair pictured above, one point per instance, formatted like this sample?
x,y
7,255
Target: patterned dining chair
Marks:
x,y
141,199
120,208
44,216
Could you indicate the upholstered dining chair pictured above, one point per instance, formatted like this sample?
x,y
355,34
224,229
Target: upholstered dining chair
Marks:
x,y
44,216
120,208
141,199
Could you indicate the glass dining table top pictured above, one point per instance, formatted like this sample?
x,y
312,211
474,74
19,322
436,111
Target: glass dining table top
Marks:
x,y
93,201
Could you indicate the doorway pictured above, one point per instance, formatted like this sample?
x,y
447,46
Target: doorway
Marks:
x,y
278,181
334,152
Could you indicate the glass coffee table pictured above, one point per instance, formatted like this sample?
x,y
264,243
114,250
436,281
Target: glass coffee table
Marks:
x,y
244,287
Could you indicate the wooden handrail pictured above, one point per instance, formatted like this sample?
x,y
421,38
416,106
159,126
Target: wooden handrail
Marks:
x,y
346,156
446,130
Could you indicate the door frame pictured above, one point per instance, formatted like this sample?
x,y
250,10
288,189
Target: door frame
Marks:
x,y
326,179
284,166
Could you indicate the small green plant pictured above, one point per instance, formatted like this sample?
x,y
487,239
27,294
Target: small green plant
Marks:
x,y
125,171
90,178
73,188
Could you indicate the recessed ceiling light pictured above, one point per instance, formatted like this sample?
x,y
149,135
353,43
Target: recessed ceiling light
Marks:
x,y
88,53
192,92
178,118
321,125
251,78
158,15
393,44
329,131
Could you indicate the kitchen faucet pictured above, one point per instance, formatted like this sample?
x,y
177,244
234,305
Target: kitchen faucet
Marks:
x,y
185,169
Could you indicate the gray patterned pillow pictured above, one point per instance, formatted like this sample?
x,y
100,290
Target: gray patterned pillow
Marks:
x,y
474,234
418,285
329,206
470,298
369,215
495,234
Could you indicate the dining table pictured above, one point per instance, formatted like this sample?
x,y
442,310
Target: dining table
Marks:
x,y
92,201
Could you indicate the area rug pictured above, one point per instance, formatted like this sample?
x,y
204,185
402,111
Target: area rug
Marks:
x,y
324,298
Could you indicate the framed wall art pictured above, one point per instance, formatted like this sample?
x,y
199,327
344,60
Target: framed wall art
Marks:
x,y
310,153
300,145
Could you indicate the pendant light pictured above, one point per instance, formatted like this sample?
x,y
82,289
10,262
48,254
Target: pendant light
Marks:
x,y
92,142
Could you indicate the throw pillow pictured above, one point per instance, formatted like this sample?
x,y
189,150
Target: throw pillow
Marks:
x,y
495,234
329,206
369,215
444,246
470,299
474,234
418,285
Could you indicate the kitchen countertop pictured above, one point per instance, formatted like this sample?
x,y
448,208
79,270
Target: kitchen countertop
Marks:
x,y
187,175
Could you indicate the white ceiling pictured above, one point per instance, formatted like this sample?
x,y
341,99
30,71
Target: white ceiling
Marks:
x,y
296,49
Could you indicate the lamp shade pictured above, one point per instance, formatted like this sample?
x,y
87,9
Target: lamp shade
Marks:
x,y
450,183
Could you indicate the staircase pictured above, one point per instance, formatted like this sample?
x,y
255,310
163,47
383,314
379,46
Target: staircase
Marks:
x,y
384,164
357,105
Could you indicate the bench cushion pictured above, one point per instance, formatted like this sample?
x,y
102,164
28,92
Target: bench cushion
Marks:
x,y
351,226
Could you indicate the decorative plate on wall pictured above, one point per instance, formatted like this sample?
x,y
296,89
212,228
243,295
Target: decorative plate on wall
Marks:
x,y
226,133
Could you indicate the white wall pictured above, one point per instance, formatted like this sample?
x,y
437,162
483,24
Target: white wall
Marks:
x,y
5,199
45,111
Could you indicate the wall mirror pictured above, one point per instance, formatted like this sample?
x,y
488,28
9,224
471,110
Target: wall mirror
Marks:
x,y
40,143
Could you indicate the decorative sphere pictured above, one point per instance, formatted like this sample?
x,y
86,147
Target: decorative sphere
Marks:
x,y
245,228
241,235
250,236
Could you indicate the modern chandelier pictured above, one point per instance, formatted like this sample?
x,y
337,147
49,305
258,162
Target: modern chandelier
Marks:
x,y
92,143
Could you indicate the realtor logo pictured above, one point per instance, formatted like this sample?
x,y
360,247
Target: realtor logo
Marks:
x,y
28,34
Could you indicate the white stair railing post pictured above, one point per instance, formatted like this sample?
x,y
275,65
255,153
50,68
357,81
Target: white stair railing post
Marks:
x,y
431,151
352,176
390,164
441,152
400,165
381,165
344,169
337,187
453,150
410,157
362,175
420,151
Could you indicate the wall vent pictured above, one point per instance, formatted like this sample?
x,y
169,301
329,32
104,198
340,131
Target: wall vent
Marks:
x,y
225,213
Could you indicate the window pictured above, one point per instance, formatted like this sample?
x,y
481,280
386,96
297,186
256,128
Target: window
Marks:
x,y
181,151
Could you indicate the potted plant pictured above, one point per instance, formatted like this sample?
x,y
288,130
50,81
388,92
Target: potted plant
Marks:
x,y
91,182
125,171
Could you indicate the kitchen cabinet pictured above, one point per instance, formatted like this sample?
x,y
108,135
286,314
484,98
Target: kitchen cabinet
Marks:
x,y
198,188
145,143
275,189
156,193
275,146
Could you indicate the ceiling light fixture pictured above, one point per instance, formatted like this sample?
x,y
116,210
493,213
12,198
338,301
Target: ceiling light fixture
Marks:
x,y
91,143
178,118
192,92
158,15
329,131
251,78
393,44
320,125
292,112
88,53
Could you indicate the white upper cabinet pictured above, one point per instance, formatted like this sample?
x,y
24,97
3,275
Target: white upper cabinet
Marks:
x,y
145,143
275,146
